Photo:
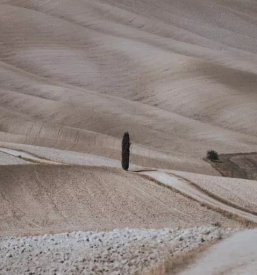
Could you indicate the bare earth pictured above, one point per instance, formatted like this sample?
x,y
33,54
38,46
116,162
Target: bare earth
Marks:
x,y
234,256
180,76
238,191
57,198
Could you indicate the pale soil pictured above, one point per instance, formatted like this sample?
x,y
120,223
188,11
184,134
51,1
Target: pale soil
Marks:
x,y
180,76
58,156
207,183
7,159
42,155
78,158
51,198
119,252
186,188
238,191
29,158
233,256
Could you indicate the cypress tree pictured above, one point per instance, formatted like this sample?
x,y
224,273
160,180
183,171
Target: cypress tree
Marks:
x,y
125,151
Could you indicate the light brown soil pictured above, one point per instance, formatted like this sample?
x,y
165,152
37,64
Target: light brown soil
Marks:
x,y
237,191
38,198
233,256
180,76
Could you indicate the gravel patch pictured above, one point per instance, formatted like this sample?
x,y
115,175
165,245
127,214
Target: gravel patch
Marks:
x,y
125,251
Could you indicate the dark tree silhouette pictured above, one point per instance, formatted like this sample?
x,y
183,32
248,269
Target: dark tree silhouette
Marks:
x,y
212,155
125,151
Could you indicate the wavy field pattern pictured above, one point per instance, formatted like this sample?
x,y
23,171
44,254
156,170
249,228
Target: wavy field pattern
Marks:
x,y
76,74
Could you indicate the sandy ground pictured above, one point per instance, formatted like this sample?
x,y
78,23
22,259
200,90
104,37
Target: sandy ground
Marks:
x,y
234,256
186,188
54,156
180,76
156,159
26,156
238,191
52,198
7,159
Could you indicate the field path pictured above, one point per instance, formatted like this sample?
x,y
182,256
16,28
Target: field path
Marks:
x,y
233,256
185,188
181,185
90,178
28,157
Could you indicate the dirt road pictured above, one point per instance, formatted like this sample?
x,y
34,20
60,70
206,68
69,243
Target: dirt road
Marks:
x,y
233,256
186,188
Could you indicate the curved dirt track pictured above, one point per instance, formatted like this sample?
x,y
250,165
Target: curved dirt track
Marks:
x,y
21,180
240,192
26,157
234,256
188,189
7,159
180,76
52,198
78,158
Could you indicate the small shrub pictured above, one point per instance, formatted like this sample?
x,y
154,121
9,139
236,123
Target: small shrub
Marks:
x,y
212,155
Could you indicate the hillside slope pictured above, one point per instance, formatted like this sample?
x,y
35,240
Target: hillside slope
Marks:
x,y
52,198
180,76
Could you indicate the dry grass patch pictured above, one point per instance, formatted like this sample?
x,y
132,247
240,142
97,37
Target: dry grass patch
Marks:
x,y
178,262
